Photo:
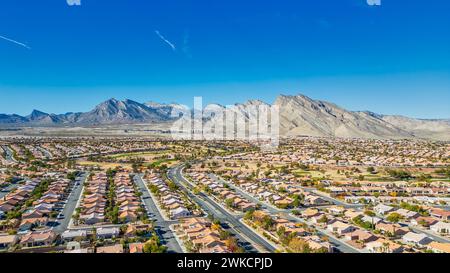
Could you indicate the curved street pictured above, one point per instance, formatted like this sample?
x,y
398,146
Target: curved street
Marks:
x,y
210,206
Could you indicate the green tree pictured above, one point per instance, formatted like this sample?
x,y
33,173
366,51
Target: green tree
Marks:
x,y
154,245
229,202
298,245
394,217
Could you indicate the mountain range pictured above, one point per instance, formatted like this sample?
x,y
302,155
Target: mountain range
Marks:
x,y
299,116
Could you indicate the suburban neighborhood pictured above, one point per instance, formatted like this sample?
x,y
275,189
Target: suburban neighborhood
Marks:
x,y
310,196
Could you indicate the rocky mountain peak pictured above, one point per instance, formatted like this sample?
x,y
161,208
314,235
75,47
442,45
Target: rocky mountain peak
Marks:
x,y
299,115
36,114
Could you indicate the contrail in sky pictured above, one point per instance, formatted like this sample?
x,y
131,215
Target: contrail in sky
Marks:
x,y
165,40
15,42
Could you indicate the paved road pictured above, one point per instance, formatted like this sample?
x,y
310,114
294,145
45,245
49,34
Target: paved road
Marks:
x,y
115,153
162,227
434,236
443,207
62,224
211,207
9,154
8,189
333,200
46,153
340,245
264,206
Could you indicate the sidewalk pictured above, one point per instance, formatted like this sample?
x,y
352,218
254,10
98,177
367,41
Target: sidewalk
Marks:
x,y
71,225
258,233
179,241
430,233
325,232
248,195
155,200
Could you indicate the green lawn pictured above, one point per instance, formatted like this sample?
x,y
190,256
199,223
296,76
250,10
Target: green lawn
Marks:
x,y
159,162
138,154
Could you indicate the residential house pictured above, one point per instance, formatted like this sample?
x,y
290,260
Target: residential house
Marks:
x,y
93,218
440,214
336,210
118,248
373,220
384,246
71,235
340,228
441,227
136,228
407,214
220,248
424,221
361,235
7,241
136,247
107,233
439,247
38,238
310,212
383,209
391,229
319,245
315,200
351,213
416,239
179,213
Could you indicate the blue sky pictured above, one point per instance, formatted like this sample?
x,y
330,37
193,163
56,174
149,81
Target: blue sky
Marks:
x,y
391,59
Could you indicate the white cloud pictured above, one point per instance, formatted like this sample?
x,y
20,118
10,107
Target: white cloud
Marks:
x,y
165,40
74,2
15,42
